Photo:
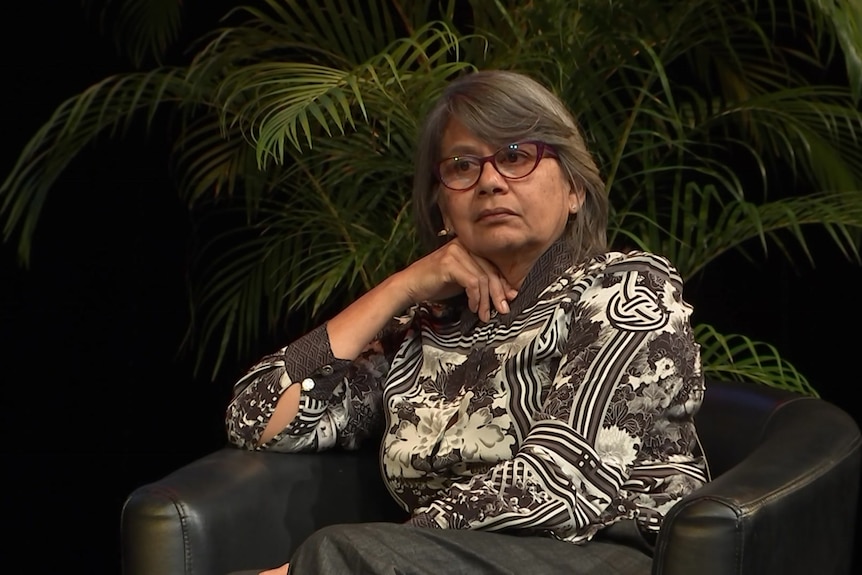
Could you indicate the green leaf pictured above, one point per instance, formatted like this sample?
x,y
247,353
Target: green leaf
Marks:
x,y
738,358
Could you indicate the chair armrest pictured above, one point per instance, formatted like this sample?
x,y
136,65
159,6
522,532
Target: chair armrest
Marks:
x,y
235,509
789,507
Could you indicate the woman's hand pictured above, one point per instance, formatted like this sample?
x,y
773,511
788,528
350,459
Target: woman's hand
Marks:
x,y
277,571
445,272
452,269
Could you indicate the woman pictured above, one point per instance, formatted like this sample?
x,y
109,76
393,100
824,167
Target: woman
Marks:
x,y
534,389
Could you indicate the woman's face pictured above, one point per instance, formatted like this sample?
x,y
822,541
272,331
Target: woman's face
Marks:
x,y
505,221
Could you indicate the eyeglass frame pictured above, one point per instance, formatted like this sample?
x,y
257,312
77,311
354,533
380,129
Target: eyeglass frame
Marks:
x,y
541,149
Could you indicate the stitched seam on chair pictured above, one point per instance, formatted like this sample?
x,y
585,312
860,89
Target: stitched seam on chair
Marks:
x,y
184,529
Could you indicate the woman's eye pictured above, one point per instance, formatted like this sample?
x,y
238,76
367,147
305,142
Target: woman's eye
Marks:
x,y
463,164
512,157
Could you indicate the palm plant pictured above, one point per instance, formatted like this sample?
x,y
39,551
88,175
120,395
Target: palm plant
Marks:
x,y
294,127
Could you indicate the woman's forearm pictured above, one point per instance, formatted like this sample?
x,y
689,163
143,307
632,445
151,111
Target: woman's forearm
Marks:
x,y
359,323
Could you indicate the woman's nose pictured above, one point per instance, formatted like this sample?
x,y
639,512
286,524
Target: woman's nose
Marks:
x,y
490,180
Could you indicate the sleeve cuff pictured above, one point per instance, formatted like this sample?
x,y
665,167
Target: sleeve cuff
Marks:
x,y
309,361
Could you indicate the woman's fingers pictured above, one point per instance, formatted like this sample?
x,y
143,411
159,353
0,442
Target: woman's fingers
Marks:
x,y
496,295
486,288
499,290
478,291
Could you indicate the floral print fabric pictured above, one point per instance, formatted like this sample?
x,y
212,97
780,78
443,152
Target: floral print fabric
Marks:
x,y
571,412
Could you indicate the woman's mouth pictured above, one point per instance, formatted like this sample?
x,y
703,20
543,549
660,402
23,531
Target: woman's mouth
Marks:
x,y
493,214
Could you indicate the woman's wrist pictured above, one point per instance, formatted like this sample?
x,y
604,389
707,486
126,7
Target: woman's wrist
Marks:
x,y
398,292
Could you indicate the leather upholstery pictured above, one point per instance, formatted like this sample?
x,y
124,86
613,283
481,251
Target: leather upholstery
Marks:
x,y
783,500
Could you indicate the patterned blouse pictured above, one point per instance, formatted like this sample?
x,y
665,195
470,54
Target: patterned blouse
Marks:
x,y
573,411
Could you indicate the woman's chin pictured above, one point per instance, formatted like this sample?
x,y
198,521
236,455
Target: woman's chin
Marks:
x,y
503,247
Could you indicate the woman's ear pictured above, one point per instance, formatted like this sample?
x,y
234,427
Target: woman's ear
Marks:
x,y
576,198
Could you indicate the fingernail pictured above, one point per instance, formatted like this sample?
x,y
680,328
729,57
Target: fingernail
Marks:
x,y
504,306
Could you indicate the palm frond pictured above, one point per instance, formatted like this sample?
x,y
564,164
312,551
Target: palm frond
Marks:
x,y
295,124
845,17
697,225
812,130
739,358
107,108
294,256
290,103
141,29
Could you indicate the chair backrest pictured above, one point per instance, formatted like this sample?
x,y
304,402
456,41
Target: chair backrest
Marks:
x,y
732,419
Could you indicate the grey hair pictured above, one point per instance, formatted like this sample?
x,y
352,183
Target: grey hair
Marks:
x,y
501,107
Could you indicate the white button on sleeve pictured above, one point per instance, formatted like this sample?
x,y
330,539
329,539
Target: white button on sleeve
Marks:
x,y
307,384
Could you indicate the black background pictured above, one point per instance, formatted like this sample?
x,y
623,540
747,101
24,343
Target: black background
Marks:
x,y
96,399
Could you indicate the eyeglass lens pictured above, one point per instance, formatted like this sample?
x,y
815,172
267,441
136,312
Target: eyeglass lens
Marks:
x,y
512,161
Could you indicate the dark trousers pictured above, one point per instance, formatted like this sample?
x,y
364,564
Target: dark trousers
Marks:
x,y
393,549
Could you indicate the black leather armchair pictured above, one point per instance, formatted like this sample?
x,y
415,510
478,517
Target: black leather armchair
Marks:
x,y
783,500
